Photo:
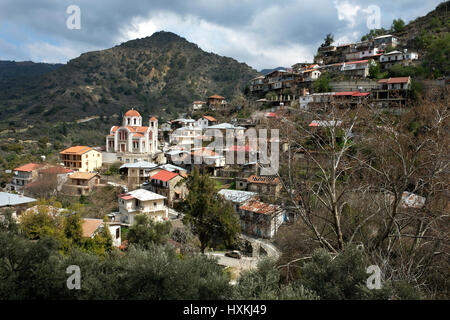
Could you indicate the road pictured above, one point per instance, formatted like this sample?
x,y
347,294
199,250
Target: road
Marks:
x,y
246,263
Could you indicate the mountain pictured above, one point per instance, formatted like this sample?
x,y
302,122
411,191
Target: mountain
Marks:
x,y
158,75
266,71
12,69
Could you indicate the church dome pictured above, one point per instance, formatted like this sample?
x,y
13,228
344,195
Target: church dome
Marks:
x,y
132,113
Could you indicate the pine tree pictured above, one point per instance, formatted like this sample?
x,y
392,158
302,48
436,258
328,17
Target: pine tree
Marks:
x,y
211,218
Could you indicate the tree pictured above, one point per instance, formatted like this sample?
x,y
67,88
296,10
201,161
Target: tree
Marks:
x,y
327,41
41,223
398,25
144,232
322,84
73,229
343,276
265,283
211,218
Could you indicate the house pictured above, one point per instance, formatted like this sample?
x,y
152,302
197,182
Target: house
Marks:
x,y
398,83
17,203
384,41
311,74
216,101
358,68
257,84
366,53
81,183
322,97
238,197
142,201
198,105
268,187
405,58
393,91
169,184
206,121
260,219
24,175
81,158
92,227
185,136
132,140
138,172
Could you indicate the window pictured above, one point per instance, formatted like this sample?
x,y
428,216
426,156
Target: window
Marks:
x,y
134,121
117,233
154,204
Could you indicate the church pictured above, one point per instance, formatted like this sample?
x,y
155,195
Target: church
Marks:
x,y
133,140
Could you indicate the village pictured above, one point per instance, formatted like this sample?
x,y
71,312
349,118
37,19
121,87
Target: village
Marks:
x,y
145,164
150,157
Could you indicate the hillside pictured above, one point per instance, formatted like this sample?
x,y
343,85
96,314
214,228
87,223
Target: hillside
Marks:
x,y
266,71
159,75
12,69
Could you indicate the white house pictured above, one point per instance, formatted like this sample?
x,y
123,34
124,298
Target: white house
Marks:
x,y
206,121
142,201
91,227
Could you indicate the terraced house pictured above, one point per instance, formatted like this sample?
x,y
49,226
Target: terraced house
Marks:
x,y
81,158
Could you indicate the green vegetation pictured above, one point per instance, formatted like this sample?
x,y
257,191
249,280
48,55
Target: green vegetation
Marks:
x,y
327,41
322,84
211,218
145,232
398,25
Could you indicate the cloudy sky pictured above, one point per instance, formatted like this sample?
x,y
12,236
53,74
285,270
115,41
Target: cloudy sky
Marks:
x,y
261,33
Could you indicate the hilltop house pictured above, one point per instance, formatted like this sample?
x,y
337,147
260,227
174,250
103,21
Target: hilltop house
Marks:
x,y
168,184
141,201
393,91
132,142
384,41
268,187
24,175
215,100
260,219
389,59
81,183
206,121
138,172
81,158
198,105
238,197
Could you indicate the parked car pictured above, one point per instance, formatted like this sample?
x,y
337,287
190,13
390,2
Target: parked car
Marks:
x,y
233,254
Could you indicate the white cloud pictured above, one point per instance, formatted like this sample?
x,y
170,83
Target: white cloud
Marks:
x,y
243,45
347,11
49,53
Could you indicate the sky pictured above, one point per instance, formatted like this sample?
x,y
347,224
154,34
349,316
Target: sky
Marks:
x,y
261,33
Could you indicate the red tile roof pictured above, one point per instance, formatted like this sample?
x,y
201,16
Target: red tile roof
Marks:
x,y
153,119
394,80
28,167
209,118
164,175
132,113
259,207
216,96
76,150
